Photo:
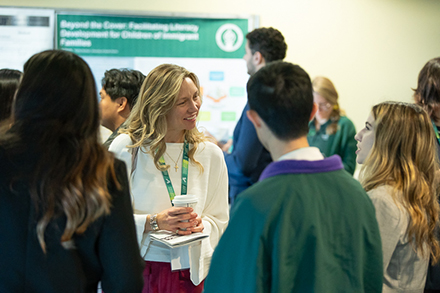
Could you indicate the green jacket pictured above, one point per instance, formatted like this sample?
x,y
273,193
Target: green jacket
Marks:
x,y
306,227
342,143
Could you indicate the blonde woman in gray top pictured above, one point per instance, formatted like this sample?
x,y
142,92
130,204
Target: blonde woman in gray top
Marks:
x,y
398,153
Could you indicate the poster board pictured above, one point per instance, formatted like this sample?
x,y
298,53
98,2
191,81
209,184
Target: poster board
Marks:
x,y
24,32
212,48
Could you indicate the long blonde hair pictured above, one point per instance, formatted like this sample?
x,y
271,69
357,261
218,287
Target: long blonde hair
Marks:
x,y
325,88
147,125
404,156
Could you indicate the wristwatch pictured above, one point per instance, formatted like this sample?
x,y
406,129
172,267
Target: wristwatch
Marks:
x,y
153,222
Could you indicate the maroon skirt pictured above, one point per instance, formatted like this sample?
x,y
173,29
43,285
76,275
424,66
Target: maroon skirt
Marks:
x,y
158,278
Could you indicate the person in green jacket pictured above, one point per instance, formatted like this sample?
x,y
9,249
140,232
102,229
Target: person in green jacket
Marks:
x,y
307,225
330,130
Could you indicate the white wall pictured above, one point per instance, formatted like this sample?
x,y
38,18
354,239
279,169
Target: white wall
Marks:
x,y
371,49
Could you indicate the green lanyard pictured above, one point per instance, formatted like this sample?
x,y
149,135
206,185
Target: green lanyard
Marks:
x,y
436,131
166,176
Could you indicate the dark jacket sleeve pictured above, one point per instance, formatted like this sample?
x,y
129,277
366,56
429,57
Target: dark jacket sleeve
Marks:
x,y
433,276
248,157
118,249
348,146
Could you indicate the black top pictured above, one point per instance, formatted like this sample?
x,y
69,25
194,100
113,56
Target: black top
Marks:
x,y
433,276
107,251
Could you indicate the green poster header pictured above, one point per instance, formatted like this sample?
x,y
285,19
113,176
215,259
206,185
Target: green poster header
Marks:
x,y
115,36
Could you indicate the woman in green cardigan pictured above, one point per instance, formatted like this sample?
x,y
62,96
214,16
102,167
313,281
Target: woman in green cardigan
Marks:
x,y
330,130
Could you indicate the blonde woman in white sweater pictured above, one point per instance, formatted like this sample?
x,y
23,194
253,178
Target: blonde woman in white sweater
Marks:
x,y
166,156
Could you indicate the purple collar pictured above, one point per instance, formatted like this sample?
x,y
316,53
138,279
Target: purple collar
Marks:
x,y
332,163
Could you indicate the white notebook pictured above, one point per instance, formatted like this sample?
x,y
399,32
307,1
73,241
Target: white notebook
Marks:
x,y
173,240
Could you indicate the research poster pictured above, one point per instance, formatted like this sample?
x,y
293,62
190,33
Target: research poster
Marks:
x,y
24,32
212,48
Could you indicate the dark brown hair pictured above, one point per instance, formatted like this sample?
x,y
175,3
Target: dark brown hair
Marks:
x,y
55,127
269,42
281,93
427,93
9,80
123,83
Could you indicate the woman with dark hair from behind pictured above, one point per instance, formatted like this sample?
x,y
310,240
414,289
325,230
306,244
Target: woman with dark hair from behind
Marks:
x,y
65,211
9,80
427,95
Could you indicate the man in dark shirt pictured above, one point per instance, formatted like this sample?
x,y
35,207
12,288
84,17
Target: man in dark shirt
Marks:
x,y
248,157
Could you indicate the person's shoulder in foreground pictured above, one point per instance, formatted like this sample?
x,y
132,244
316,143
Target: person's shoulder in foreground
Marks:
x,y
306,226
300,233
99,253
66,220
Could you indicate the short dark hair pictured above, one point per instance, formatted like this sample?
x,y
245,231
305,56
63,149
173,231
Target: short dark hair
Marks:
x,y
427,93
123,83
9,80
282,95
269,42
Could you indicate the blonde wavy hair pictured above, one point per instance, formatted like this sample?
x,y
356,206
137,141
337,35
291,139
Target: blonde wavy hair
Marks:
x,y
404,156
147,125
325,88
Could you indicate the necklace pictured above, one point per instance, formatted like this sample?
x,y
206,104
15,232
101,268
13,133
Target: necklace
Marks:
x,y
184,180
175,162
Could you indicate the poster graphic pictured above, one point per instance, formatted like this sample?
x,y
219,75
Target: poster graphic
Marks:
x,y
211,48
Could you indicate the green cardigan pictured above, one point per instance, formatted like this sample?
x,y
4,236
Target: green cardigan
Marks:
x,y
341,143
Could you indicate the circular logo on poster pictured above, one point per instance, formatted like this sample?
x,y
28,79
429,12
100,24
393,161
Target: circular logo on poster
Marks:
x,y
229,37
